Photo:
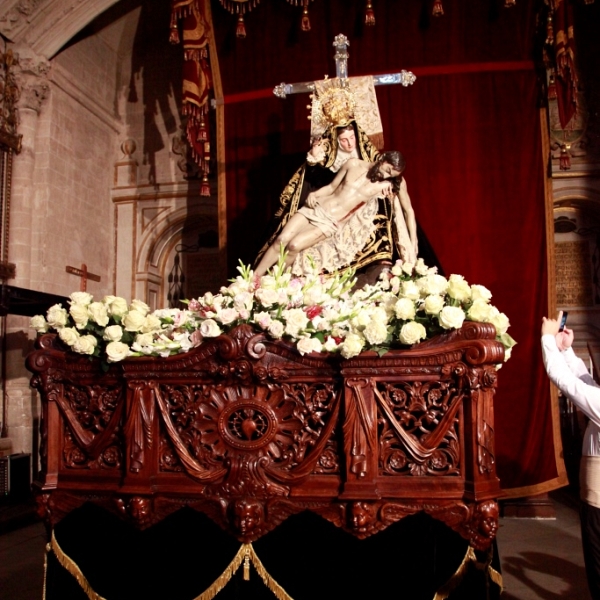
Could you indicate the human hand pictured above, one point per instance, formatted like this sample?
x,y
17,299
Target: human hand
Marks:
x,y
311,200
564,338
550,326
387,189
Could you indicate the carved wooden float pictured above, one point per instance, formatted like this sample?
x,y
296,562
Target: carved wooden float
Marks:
x,y
248,431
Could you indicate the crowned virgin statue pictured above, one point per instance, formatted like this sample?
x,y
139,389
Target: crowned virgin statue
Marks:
x,y
347,206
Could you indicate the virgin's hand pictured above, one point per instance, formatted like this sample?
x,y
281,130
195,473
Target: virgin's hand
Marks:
x,y
311,200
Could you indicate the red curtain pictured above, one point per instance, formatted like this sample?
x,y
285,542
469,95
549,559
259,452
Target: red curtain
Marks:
x,y
470,131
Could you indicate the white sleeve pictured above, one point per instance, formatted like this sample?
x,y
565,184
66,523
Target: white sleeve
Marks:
x,y
558,366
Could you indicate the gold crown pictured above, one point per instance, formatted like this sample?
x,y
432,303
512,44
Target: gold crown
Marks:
x,y
334,105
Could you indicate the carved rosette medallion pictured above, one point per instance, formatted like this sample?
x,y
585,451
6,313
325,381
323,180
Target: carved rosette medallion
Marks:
x,y
248,425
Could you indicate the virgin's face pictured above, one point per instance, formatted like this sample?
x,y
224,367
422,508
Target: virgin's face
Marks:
x,y
347,140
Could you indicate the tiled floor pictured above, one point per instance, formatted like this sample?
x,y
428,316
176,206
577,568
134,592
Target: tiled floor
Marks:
x,y
541,559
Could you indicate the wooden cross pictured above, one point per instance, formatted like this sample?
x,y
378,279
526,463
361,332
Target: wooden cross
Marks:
x,y
84,274
341,45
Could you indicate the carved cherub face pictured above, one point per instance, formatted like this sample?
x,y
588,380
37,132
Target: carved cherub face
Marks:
x,y
361,514
247,516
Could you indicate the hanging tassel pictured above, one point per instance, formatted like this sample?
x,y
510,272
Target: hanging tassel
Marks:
x,y
549,31
202,133
174,31
552,94
205,186
564,161
438,9
369,14
240,30
246,568
509,3
305,25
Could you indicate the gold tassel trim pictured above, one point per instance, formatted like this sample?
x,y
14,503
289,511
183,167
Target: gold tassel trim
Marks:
x,y
244,556
459,574
71,566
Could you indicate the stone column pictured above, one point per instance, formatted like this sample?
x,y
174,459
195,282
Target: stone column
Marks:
x,y
22,406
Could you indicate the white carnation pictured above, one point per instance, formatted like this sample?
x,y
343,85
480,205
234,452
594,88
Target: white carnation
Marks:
x,y
405,309
376,332
352,345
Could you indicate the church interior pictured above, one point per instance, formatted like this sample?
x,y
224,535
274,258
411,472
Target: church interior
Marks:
x,y
143,157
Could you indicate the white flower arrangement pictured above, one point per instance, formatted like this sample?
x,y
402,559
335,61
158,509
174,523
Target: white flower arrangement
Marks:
x,y
410,303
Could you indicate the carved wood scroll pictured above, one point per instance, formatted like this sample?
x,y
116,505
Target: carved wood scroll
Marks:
x,y
248,431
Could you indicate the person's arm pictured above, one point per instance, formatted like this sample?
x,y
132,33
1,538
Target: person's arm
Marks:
x,y
586,397
313,198
411,222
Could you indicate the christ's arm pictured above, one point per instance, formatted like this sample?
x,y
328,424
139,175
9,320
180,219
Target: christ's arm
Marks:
x,y
411,222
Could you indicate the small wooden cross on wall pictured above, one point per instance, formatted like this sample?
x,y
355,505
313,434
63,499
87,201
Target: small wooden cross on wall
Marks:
x,y
84,274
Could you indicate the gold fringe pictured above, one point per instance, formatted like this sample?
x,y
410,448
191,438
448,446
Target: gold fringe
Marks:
x,y
71,566
245,553
48,549
459,574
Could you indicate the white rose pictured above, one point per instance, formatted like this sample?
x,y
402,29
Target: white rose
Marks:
x,y
362,319
379,314
451,317
420,267
458,288
480,311
397,268
352,345
85,344
227,315
433,284
412,332
140,307
408,267
268,282
116,351
82,298
409,289
276,329
376,332
56,316
210,328
113,333
144,339
433,304
151,323
98,312
500,322
262,319
133,320
330,344
116,306
308,345
479,292
68,335
405,309
295,321
80,315
243,301
315,294
39,324
267,296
